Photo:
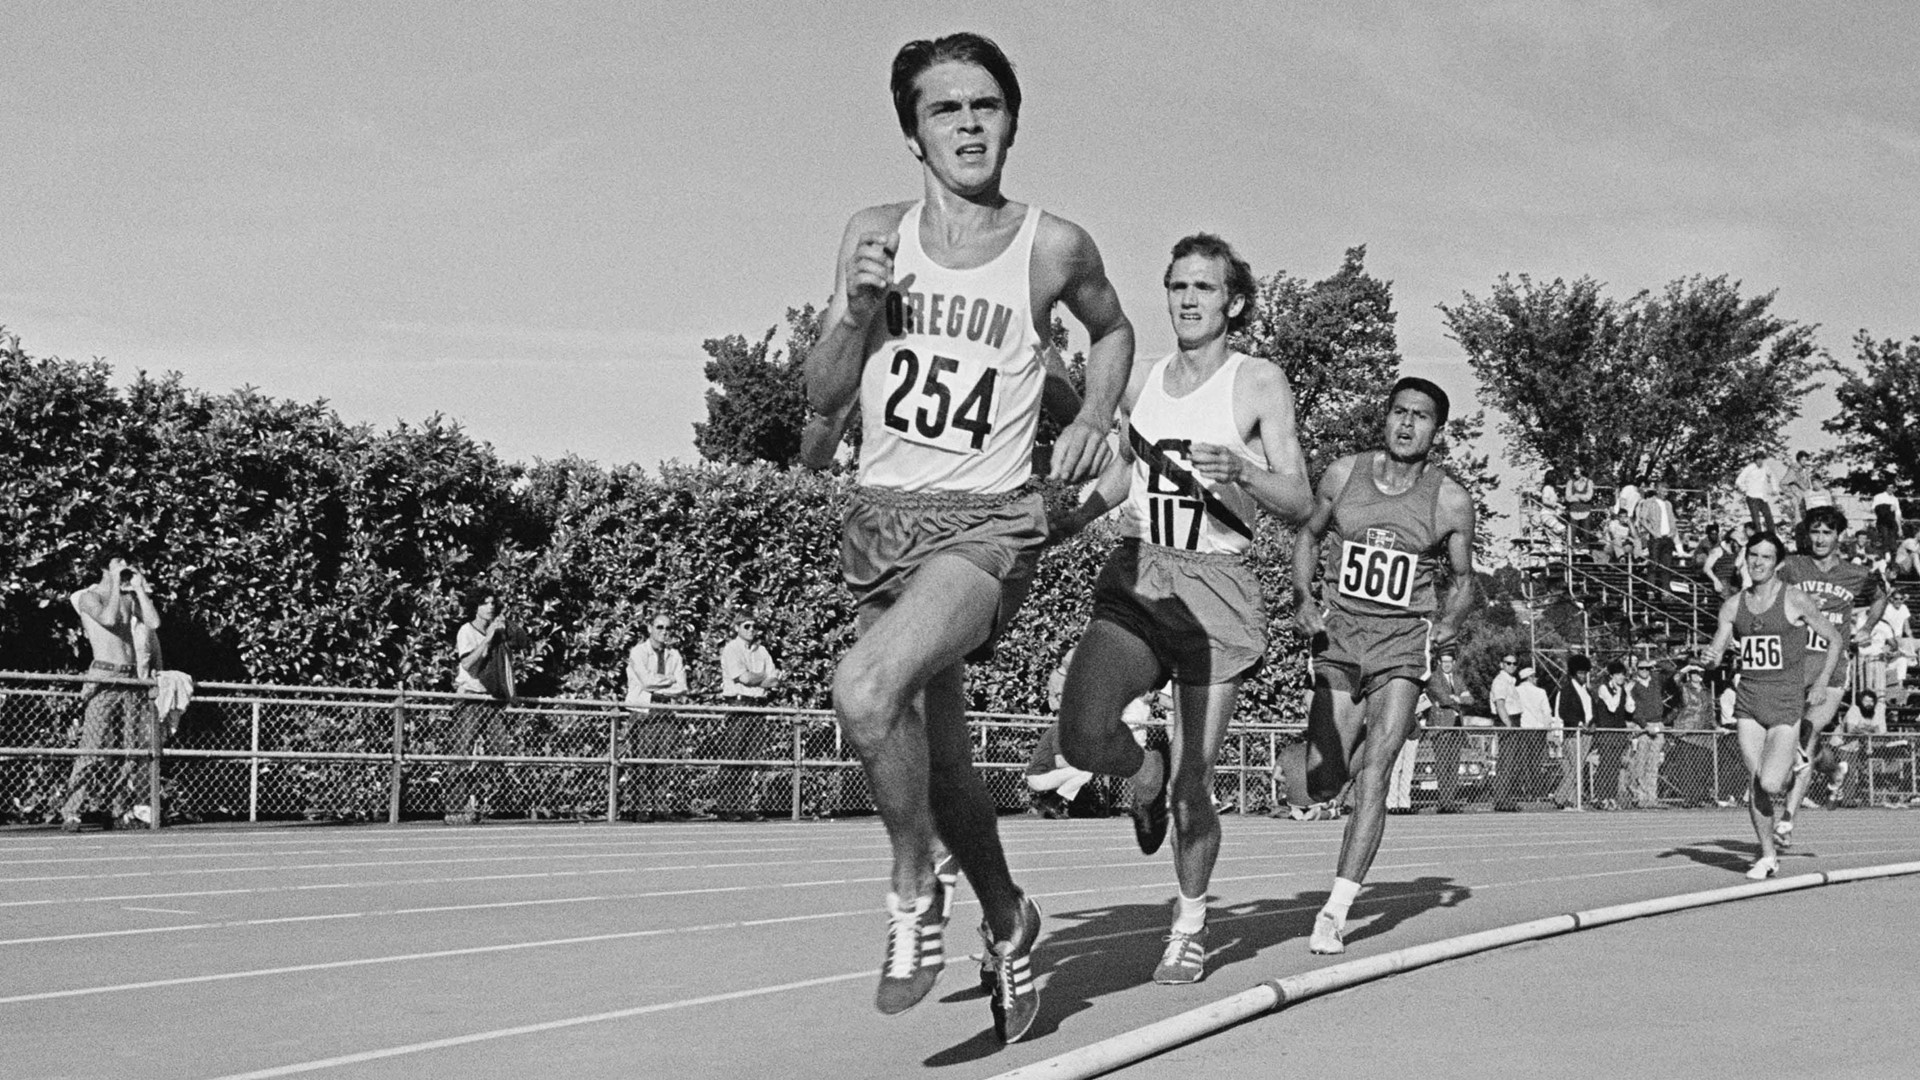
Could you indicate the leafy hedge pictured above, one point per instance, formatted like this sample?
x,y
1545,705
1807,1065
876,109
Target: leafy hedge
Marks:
x,y
287,546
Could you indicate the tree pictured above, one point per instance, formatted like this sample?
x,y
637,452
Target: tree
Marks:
x,y
1335,339
1879,419
1676,388
757,405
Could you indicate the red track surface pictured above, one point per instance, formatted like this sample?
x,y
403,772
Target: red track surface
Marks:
x,y
707,950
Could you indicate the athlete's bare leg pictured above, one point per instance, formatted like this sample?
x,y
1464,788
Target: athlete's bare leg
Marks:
x,y
1820,716
898,696
1354,739
1200,723
1111,667
963,812
1769,754
1389,720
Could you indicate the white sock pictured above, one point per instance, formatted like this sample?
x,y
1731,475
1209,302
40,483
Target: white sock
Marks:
x,y
907,911
1342,898
1189,914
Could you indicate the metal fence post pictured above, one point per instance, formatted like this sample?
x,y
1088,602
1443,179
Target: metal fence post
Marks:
x,y
398,768
1240,740
154,810
1716,766
613,767
253,768
799,768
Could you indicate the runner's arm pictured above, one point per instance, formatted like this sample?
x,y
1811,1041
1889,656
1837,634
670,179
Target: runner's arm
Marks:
x,y
1282,488
1457,517
1081,449
1306,547
1723,634
862,275
820,439
1115,479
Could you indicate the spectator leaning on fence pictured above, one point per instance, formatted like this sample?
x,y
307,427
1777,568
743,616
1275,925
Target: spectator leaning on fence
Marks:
x,y
483,668
747,675
656,676
119,617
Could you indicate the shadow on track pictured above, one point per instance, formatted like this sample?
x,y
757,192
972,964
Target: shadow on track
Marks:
x,y
1734,855
1087,954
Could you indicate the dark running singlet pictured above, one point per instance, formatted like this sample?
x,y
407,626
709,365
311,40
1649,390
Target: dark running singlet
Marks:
x,y
1383,548
1838,590
1772,672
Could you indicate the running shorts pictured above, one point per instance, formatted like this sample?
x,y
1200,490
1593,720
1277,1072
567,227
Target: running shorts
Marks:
x,y
1768,706
1360,653
888,534
1201,613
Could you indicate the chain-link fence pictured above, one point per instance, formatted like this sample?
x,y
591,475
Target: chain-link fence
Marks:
x,y
76,747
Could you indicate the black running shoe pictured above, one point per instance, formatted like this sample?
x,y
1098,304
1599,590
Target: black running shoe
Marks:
x,y
1016,998
915,954
1150,816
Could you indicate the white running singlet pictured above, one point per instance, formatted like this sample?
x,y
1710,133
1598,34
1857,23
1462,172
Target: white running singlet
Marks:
x,y
1168,502
950,394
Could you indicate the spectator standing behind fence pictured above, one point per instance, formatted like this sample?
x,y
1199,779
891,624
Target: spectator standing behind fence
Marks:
x,y
1647,710
1795,485
1653,523
1580,508
1610,739
747,675
1523,751
119,617
1573,706
656,676
1687,768
1450,697
484,668
1886,522
1755,484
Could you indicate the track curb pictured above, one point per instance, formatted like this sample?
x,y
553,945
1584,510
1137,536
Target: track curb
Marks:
x,y
1273,995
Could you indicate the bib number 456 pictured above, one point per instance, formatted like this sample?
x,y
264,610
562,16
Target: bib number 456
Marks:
x,y
923,409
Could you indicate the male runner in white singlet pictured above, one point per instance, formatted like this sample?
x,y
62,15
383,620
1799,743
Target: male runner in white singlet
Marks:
x,y
1391,516
1210,435
937,309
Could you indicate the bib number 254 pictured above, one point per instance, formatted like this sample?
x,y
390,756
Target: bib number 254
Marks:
x,y
938,402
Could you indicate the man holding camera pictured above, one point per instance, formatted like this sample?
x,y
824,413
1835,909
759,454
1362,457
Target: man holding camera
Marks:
x,y
485,667
118,615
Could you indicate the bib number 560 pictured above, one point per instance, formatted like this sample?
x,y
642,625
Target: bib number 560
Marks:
x,y
1382,575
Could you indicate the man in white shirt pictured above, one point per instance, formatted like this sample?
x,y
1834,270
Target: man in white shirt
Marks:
x,y
1653,520
747,673
1755,482
1521,752
1506,712
656,676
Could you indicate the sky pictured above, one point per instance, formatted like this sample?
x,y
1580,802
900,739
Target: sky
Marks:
x,y
528,217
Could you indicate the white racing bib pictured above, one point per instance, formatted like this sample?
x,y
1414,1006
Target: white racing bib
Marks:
x,y
1382,575
940,402
1761,652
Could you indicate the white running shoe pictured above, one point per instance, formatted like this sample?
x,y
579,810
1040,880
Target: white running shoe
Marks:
x,y
1763,869
1783,834
1326,936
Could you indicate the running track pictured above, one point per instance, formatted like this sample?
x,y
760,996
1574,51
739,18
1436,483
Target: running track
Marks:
x,y
715,950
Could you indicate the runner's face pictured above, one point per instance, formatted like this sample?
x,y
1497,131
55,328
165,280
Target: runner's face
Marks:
x,y
1197,300
1822,539
1410,425
1761,562
962,126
